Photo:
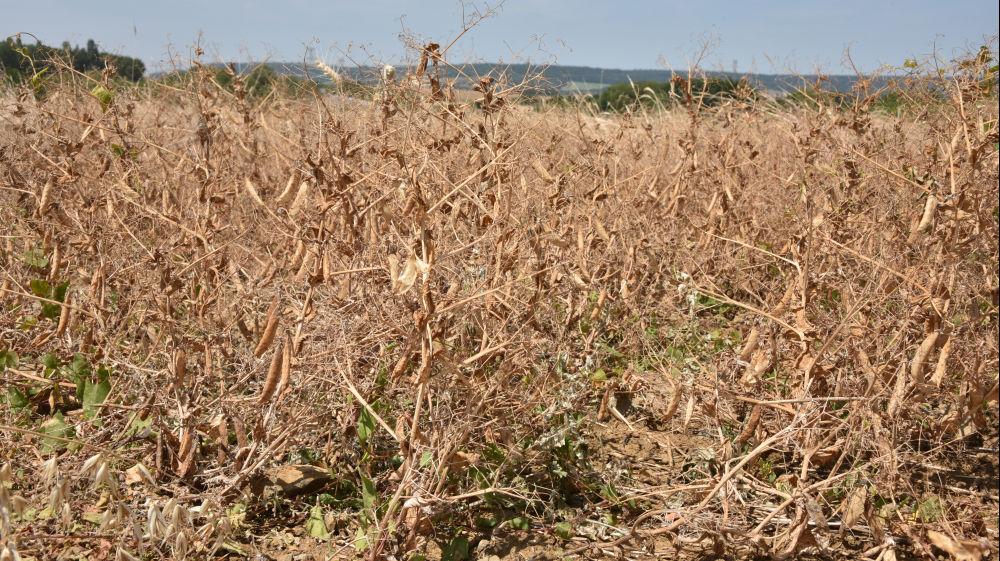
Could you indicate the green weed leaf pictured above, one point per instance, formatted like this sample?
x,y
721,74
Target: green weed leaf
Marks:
x,y
366,426
56,430
315,525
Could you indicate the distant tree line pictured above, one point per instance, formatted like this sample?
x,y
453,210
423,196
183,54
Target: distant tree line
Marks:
x,y
707,91
251,81
20,61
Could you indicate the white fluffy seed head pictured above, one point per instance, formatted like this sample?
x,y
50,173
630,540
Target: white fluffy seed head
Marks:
x,y
18,504
9,553
180,545
50,470
388,73
67,516
144,474
101,477
107,520
334,76
153,522
59,491
92,461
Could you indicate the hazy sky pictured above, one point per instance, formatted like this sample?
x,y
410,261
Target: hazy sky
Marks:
x,y
762,36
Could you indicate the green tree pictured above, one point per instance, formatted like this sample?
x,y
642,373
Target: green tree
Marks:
x,y
19,61
707,91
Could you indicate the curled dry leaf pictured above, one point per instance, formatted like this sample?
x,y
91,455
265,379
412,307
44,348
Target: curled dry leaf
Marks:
x,y
408,277
959,550
854,507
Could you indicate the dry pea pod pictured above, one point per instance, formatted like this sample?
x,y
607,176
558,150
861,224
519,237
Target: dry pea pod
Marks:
x,y
599,307
301,196
64,314
273,375
298,255
180,368
675,401
942,364
291,189
252,191
541,171
55,263
270,328
751,345
45,198
919,363
286,366
750,427
927,218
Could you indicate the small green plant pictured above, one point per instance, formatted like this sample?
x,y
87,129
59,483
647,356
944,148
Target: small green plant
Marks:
x,y
104,96
929,509
50,292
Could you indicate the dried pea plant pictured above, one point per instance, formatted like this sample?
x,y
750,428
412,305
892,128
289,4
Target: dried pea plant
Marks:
x,y
427,319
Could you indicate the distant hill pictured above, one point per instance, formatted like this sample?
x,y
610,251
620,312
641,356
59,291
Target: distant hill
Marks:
x,y
564,79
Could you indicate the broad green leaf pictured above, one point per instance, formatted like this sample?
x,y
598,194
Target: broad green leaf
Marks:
x,y
93,516
426,458
94,395
361,540
59,291
8,359
520,523
366,426
43,289
456,550
104,96
51,362
40,288
137,425
315,525
368,493
17,399
56,430
564,530
79,372
35,258
50,310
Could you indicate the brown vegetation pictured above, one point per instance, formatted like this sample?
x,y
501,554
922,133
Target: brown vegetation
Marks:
x,y
745,329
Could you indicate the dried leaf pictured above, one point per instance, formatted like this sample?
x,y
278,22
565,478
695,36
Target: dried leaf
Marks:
x,y
408,277
960,550
854,507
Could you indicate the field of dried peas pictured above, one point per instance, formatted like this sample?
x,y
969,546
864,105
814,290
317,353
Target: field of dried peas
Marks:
x,y
315,326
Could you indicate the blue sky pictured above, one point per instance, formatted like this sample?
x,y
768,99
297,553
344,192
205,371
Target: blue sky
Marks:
x,y
760,36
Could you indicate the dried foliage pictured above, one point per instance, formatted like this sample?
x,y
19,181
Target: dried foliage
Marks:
x,y
746,328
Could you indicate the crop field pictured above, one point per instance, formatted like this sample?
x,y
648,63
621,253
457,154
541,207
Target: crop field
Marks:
x,y
444,325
